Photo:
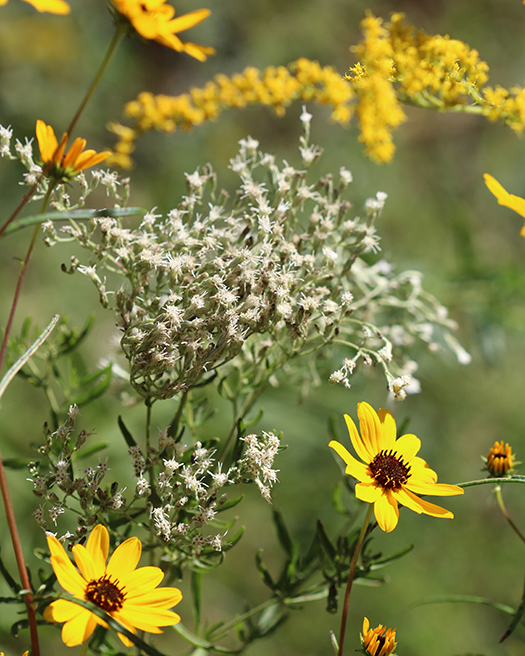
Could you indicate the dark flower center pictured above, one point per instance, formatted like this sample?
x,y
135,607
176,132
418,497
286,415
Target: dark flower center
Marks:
x,y
389,470
105,594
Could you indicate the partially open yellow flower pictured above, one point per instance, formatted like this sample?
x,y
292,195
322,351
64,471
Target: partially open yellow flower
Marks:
x,y
129,595
52,6
393,473
504,198
379,641
500,460
59,165
154,20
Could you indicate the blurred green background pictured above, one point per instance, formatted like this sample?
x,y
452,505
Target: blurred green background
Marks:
x,y
439,218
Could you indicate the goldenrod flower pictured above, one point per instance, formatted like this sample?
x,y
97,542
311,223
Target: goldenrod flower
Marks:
x,y
393,473
129,595
153,19
57,164
379,641
500,459
52,6
504,198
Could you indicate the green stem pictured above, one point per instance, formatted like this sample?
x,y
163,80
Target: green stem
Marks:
x,y
351,575
84,648
119,33
496,481
497,490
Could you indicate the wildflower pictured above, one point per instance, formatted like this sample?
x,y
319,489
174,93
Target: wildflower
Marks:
x,y
379,641
52,6
504,198
500,459
58,165
129,595
392,473
153,19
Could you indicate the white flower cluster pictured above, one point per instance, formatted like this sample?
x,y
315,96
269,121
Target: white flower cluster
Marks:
x,y
258,459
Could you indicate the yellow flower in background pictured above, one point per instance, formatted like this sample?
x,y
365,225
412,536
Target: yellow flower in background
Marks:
x,y
154,20
379,641
392,472
129,595
52,6
504,198
59,165
500,460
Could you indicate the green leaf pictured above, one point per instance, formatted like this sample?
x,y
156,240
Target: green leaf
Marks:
x,y
15,587
333,427
92,393
85,453
33,220
516,620
200,643
257,419
16,463
71,339
282,532
325,542
125,432
234,540
465,599
263,571
382,562
337,500
196,590
230,503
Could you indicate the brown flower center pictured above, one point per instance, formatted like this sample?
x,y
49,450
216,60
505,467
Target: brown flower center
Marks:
x,y
105,594
389,470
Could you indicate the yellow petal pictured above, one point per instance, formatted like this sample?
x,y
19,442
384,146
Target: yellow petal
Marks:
x,y
360,448
367,492
3,2
504,198
386,511
388,424
370,428
435,489
197,51
159,598
188,20
86,564
62,610
147,619
91,158
141,581
353,467
419,506
77,630
407,446
70,159
98,547
47,141
67,575
421,471
125,558
52,6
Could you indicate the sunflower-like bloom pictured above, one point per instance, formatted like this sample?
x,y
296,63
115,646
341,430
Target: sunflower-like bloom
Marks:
x,y
59,165
129,595
500,460
379,641
504,198
52,6
153,19
392,472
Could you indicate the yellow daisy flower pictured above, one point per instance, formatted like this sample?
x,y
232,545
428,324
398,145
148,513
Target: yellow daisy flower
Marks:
x,y
129,595
500,460
57,164
379,641
153,19
392,472
52,6
504,198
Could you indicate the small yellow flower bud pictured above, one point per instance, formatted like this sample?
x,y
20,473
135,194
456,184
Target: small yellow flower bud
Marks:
x,y
379,641
500,459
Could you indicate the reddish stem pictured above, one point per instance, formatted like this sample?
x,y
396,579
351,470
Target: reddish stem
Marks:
x,y
19,554
24,200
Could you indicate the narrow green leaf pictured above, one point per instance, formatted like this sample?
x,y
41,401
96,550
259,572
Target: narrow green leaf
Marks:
x,y
85,453
16,463
263,571
27,355
73,339
382,562
516,620
282,532
337,500
33,220
231,543
15,587
230,503
465,599
125,432
257,419
333,427
325,541
200,643
104,378
196,593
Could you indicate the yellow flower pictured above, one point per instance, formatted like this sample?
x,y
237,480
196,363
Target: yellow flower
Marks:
x,y
153,19
52,6
57,164
500,459
129,595
504,198
393,473
379,641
